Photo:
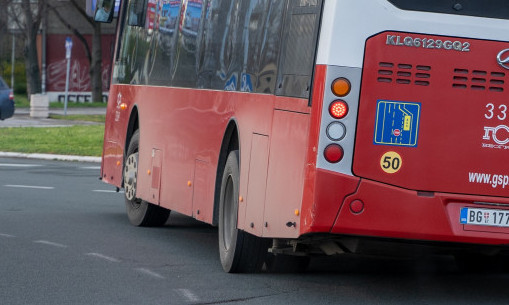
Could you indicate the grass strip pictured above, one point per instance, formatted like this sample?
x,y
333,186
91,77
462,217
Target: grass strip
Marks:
x,y
99,118
22,101
53,105
82,140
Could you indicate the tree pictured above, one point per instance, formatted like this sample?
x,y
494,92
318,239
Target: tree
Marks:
x,y
27,15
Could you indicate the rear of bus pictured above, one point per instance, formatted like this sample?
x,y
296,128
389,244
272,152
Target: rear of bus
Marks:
x,y
411,108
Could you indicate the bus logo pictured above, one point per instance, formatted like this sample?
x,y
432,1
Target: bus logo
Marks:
x,y
503,58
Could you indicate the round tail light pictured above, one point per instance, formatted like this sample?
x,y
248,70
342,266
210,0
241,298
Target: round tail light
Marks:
x,y
341,87
338,109
333,153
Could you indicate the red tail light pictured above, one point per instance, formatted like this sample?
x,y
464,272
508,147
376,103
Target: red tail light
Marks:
x,y
333,153
11,96
338,109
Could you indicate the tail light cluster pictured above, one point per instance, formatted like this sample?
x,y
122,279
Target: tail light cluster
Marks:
x,y
338,121
11,96
338,110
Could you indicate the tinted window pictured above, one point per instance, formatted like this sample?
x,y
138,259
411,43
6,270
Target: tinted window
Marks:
x,y
3,85
234,45
481,8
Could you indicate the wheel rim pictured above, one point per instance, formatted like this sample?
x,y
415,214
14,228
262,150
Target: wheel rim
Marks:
x,y
131,177
228,216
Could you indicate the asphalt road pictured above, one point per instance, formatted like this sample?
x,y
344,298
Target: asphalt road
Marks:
x,y
65,239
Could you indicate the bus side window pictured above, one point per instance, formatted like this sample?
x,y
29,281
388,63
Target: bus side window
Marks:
x,y
299,48
137,13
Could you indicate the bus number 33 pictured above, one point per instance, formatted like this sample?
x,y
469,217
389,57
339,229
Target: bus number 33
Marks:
x,y
500,112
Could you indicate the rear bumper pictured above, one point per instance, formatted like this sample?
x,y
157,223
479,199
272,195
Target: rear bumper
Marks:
x,y
6,109
393,212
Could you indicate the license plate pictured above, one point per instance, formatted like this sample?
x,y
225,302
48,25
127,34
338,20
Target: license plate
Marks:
x,y
484,217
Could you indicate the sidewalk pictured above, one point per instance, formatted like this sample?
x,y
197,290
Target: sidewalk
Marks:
x,y
22,118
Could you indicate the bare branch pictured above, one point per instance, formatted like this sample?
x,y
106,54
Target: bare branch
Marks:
x,y
82,12
74,31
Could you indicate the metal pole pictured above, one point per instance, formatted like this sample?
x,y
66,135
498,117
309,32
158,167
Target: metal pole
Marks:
x,y
43,52
13,58
68,47
67,85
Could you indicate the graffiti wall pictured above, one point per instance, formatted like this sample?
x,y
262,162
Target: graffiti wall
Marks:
x,y
79,78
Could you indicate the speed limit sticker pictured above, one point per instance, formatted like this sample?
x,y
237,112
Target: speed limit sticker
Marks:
x,y
391,162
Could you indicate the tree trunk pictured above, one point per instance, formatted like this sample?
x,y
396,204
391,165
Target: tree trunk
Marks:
x,y
96,65
32,67
30,52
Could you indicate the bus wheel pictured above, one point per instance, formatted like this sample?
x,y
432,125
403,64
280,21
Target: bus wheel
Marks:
x,y
140,212
239,251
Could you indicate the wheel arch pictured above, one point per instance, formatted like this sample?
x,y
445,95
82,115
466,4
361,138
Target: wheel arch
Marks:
x,y
132,126
231,141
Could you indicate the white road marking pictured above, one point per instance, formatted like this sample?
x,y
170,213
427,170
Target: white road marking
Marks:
x,y
18,165
90,167
107,191
50,243
6,235
30,186
104,257
150,273
188,294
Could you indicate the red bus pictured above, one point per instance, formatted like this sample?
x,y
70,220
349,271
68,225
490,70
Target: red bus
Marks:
x,y
305,127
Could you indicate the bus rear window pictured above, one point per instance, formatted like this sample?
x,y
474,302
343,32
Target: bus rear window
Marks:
x,y
479,8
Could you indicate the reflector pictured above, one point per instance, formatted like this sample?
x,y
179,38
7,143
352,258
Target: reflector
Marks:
x,y
333,153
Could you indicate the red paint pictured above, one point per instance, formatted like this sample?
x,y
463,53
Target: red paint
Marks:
x,y
187,127
307,215
453,119
79,78
397,213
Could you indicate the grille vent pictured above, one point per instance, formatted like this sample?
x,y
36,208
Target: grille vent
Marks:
x,y
478,80
405,74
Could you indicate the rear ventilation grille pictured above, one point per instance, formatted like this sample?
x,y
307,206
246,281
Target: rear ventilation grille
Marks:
x,y
478,80
404,74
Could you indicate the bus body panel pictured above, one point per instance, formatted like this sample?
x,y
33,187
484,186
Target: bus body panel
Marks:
x,y
461,118
393,212
452,91
186,128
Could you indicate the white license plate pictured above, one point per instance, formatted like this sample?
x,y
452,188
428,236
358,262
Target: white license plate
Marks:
x,y
484,217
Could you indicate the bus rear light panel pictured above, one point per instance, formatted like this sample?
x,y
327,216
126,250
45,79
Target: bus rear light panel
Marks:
x,y
339,119
478,80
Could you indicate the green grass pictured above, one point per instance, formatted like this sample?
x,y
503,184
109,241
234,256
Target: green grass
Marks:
x,y
75,140
76,105
21,101
99,118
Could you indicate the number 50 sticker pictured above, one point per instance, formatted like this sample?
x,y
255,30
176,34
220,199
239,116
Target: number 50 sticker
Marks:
x,y
391,162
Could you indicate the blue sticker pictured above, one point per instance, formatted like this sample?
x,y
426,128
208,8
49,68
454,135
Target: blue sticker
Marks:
x,y
397,123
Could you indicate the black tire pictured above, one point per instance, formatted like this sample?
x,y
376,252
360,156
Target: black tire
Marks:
x,y
287,263
239,251
140,212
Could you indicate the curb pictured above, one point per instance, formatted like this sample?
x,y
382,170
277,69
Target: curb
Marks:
x,y
51,157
